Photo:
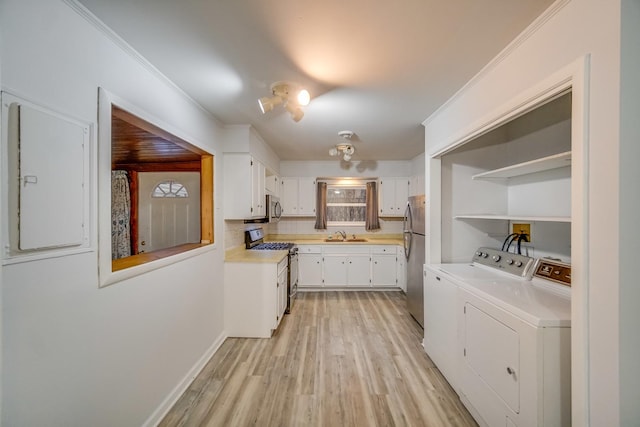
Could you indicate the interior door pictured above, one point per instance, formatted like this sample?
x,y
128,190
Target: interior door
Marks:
x,y
168,209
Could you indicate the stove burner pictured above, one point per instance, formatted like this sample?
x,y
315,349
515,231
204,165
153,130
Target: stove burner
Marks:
x,y
274,246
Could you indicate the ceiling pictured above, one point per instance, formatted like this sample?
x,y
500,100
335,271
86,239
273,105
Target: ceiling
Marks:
x,y
377,71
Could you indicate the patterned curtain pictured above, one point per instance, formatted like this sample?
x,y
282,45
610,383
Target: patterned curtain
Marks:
x,y
120,215
321,206
371,220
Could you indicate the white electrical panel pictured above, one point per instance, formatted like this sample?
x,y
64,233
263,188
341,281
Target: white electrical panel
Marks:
x,y
48,168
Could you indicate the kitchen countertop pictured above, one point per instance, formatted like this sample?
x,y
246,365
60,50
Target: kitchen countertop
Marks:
x,y
314,239
240,254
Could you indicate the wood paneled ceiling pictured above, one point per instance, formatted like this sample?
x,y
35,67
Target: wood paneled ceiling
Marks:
x,y
137,145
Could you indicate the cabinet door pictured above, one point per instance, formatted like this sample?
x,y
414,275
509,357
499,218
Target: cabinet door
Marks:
x,y
289,196
401,195
306,196
359,270
281,294
386,197
334,270
393,196
238,177
258,199
383,270
309,270
401,268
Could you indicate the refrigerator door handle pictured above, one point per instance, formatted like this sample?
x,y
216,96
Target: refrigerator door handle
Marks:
x,y
407,225
408,238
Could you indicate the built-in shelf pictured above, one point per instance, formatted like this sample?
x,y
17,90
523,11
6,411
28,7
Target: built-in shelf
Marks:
x,y
516,217
539,165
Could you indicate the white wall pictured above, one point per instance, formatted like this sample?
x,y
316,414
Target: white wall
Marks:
x,y
417,175
582,27
245,139
74,354
629,245
338,168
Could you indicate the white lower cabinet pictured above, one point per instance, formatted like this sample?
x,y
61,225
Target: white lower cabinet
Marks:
x,y
383,270
309,270
401,268
350,266
347,270
255,297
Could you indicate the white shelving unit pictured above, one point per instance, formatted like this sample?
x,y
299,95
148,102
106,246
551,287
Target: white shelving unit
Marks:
x,y
543,164
538,165
516,217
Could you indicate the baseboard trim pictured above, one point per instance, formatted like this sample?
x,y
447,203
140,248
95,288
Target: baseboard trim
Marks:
x,y
162,410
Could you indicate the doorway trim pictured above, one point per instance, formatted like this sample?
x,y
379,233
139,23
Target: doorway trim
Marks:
x,y
573,78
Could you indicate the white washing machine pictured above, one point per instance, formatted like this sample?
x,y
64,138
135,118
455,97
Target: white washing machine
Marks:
x,y
499,329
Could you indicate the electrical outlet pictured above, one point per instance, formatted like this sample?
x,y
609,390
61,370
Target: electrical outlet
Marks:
x,y
522,228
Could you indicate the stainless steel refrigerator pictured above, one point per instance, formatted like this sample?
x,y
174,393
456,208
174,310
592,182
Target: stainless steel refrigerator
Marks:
x,y
414,246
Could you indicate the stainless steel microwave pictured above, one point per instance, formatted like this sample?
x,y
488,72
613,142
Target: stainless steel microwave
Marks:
x,y
274,208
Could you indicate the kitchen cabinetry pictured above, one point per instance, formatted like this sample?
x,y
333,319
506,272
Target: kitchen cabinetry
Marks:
x,y
401,268
393,195
310,266
383,266
298,196
245,187
511,370
441,324
255,297
282,289
341,266
347,266
272,184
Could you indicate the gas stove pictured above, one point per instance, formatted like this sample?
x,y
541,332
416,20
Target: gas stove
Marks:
x,y
254,239
273,246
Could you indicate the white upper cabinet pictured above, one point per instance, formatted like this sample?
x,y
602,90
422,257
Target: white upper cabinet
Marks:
x,y
272,184
392,196
298,196
244,195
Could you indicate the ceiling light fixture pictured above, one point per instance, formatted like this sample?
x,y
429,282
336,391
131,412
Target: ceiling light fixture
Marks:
x,y
344,149
292,97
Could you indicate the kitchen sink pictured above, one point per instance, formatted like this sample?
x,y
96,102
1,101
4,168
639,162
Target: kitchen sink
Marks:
x,y
344,241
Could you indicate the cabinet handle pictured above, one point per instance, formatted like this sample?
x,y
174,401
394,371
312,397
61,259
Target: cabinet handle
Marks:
x,y
510,371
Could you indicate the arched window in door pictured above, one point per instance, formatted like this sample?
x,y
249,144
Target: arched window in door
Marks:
x,y
168,189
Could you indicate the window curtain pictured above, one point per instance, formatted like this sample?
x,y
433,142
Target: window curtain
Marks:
x,y
321,206
120,215
371,221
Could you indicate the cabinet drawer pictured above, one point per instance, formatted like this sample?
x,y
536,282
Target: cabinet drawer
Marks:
x,y
310,249
383,249
342,248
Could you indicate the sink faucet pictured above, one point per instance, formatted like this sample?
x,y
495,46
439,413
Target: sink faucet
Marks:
x,y
343,234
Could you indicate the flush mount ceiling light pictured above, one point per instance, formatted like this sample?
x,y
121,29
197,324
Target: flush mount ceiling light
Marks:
x,y
290,95
344,149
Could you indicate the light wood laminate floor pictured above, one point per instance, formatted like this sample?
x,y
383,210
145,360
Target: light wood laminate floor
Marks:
x,y
339,359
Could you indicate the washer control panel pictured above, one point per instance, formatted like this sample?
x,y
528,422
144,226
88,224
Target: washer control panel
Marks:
x,y
508,262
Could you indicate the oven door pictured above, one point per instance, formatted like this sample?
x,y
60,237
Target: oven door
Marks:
x,y
292,282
